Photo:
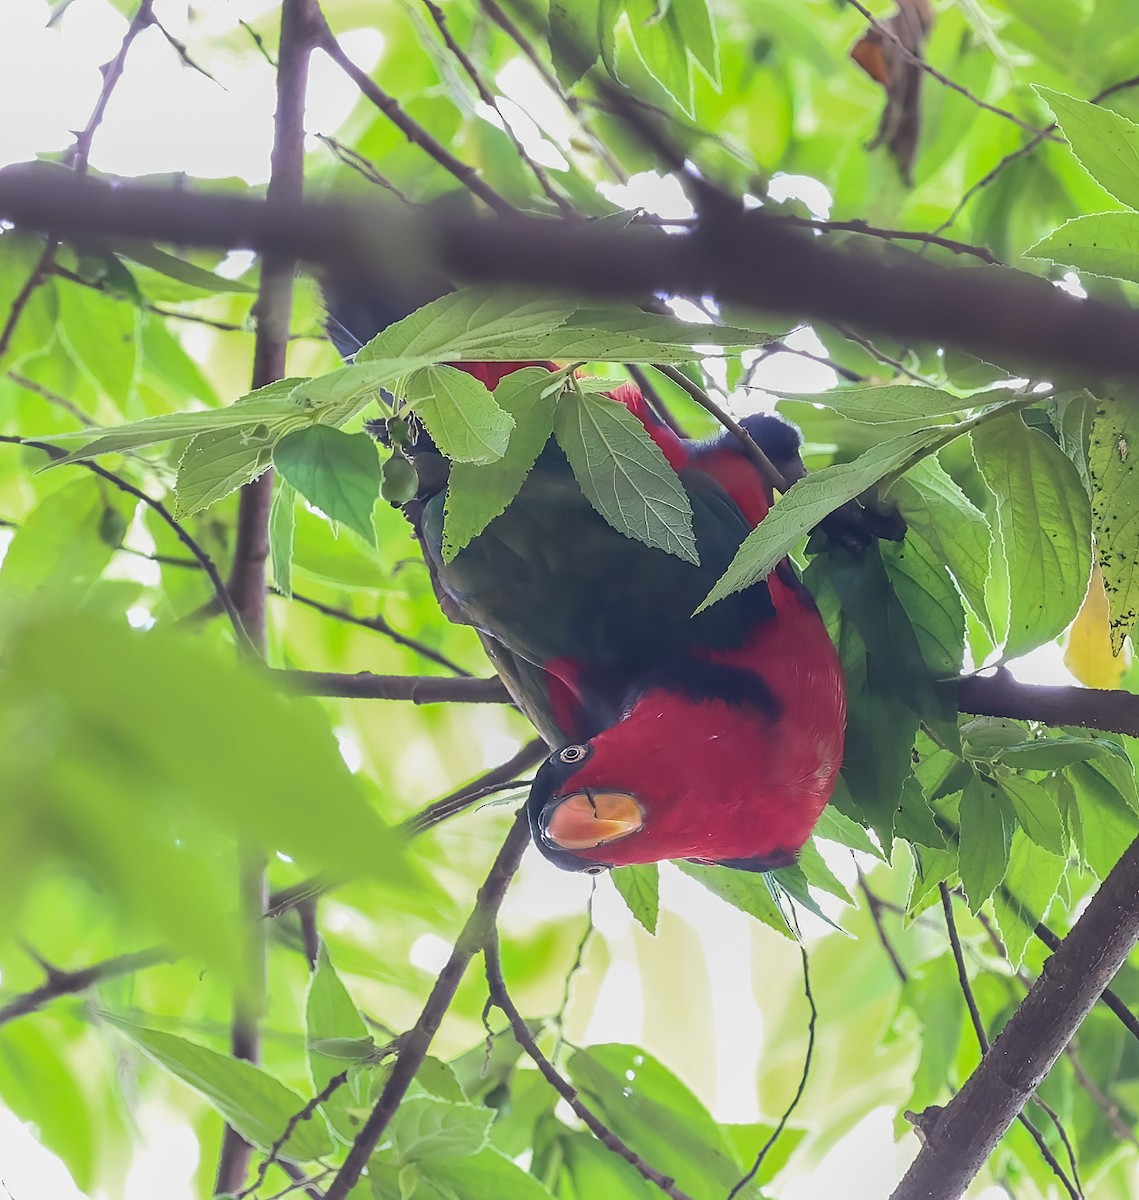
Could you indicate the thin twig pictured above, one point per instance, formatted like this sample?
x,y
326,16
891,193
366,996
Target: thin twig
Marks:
x,y
892,235
67,983
376,624
875,905
766,468
559,1021
412,130
500,777
475,934
886,32
774,1137
562,1086
491,101
1072,1187
419,689
38,389
365,167
202,558
326,1093
650,393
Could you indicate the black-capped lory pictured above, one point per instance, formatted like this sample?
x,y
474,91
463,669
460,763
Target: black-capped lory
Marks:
x,y
715,737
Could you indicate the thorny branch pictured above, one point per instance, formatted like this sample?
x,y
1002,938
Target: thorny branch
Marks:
x,y
67,983
501,998
77,159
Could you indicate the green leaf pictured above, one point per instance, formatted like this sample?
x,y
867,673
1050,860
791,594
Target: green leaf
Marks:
x,y
624,474
256,1104
1115,493
472,325
745,890
1036,811
902,406
59,552
877,761
807,502
1045,528
282,526
639,887
337,472
102,334
1102,244
939,512
178,268
835,826
20,254
986,836
215,464
487,1175
476,494
1022,900
1052,753
648,1107
460,414
1106,143
331,1016
278,413
926,592
425,1128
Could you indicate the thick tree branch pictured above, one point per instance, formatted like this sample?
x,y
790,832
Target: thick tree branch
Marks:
x,y
970,1126
419,689
273,312
1000,695
501,999
414,1045
67,983
747,258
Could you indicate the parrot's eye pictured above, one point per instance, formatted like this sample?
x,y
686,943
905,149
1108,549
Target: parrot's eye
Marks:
x,y
572,754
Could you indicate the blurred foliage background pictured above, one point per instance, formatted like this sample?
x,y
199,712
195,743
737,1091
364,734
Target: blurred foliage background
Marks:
x,y
137,753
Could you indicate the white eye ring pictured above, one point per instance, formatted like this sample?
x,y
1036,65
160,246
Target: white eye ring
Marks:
x,y
572,754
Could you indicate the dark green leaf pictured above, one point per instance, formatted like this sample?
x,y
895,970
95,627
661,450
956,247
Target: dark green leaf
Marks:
x,y
337,472
177,268
574,37
926,592
624,474
809,501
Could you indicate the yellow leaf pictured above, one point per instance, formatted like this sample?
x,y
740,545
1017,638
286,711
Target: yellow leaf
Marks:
x,y
1088,653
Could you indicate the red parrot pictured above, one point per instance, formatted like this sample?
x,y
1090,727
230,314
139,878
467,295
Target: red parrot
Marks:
x,y
714,737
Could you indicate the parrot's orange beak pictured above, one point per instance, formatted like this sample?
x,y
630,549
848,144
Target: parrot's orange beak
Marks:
x,y
587,819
